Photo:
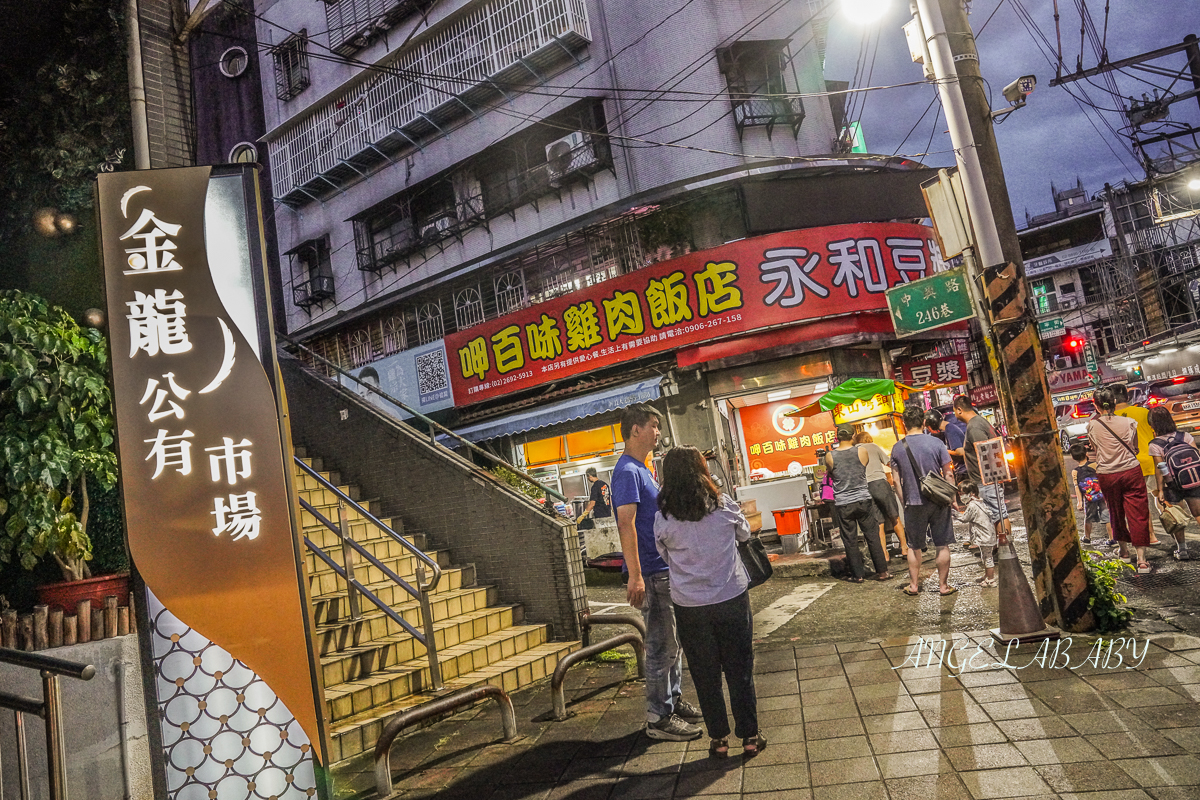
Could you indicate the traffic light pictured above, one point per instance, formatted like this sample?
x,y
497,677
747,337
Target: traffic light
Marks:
x,y
1136,373
1075,343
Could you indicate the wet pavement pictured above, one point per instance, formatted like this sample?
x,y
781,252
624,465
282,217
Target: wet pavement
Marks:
x,y
853,720
850,714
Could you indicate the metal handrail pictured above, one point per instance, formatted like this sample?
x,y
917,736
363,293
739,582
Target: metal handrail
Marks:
x,y
383,747
354,587
434,427
558,699
345,498
49,709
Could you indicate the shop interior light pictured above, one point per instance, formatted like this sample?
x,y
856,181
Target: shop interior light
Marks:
x,y
1194,184
1166,350
782,394
821,387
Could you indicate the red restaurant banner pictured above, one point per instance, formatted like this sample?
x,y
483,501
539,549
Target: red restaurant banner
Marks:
x,y
943,370
755,283
774,440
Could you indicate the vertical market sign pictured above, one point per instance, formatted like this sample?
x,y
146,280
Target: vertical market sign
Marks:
x,y
755,283
206,484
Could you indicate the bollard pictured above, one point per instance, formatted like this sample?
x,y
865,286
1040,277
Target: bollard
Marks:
x,y
566,662
383,747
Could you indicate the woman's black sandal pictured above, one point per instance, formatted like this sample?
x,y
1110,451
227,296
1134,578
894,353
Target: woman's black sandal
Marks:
x,y
753,745
718,748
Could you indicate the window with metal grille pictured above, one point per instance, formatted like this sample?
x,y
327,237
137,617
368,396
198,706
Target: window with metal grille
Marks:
x,y
394,339
359,348
468,307
429,322
312,273
291,66
510,291
756,74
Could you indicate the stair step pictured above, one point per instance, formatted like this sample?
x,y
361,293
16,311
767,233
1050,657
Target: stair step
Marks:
x,y
357,662
382,547
338,634
360,530
320,495
358,733
329,509
411,677
323,581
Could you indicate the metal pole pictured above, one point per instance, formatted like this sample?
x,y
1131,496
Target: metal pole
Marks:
x,y
22,755
435,668
1059,576
137,87
349,558
56,755
982,221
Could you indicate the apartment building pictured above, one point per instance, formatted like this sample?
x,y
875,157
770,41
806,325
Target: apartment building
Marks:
x,y
439,167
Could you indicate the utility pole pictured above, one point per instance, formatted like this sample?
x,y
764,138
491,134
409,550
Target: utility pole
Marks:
x,y
1059,579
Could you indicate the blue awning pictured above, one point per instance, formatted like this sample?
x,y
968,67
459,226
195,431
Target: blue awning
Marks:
x,y
565,410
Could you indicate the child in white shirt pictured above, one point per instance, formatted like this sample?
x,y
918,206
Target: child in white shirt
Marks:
x,y
980,530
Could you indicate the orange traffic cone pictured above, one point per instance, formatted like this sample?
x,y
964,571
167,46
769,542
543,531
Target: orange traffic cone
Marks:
x,y
1020,618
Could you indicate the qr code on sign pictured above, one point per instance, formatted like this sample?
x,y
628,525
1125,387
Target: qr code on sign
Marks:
x,y
431,373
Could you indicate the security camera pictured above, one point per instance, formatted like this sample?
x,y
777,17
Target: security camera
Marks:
x,y
1018,90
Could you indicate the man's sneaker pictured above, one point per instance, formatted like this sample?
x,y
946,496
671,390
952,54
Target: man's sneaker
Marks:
x,y
672,729
688,711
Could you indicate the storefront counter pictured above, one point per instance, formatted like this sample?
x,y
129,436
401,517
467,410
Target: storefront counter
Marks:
x,y
775,494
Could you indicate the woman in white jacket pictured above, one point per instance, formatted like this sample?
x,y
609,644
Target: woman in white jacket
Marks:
x,y
697,530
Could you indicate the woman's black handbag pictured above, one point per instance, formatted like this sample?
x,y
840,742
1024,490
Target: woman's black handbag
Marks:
x,y
754,557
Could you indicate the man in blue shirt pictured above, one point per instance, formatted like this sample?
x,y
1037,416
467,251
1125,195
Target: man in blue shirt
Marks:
x,y
635,498
922,519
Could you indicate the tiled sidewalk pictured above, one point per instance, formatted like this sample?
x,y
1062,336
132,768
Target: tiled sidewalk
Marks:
x,y
842,723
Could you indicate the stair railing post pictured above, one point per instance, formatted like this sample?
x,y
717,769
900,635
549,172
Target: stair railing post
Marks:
x,y
22,755
56,755
349,558
435,668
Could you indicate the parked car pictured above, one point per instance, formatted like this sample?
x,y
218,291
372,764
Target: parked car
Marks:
x,y
1072,422
1179,395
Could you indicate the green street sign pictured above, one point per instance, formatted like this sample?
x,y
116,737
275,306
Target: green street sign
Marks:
x,y
1089,361
1049,328
929,303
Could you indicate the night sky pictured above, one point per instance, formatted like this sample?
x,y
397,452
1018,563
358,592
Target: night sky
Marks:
x,y
1051,139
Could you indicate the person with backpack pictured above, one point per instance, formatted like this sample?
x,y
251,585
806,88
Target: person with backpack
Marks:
x,y
1115,441
1087,492
1177,470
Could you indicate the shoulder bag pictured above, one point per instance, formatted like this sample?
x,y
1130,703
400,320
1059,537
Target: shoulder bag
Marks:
x,y
934,488
754,558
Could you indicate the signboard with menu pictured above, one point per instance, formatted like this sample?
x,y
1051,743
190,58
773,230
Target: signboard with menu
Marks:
x,y
205,477
743,286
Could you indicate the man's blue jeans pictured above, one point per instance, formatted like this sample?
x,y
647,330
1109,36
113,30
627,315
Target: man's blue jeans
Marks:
x,y
664,658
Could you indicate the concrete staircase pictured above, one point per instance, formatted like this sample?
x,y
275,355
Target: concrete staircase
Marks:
x,y
373,668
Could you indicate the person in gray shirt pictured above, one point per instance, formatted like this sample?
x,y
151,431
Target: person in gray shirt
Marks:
x,y
848,467
923,520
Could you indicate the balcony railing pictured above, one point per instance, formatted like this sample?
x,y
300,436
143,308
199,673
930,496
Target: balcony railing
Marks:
x,y
353,24
404,240
313,291
451,71
768,112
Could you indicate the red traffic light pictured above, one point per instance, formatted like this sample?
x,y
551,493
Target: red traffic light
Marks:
x,y
1074,344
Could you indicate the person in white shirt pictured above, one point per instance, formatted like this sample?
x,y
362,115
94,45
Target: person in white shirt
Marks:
x,y
696,531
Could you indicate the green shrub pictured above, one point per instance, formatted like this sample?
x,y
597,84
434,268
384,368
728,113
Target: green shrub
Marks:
x,y
1106,602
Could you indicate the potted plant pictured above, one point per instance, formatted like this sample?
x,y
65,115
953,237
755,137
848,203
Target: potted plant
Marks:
x,y
56,442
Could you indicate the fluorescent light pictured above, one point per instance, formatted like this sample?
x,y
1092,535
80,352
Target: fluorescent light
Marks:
x,y
782,394
821,387
1194,184
1166,350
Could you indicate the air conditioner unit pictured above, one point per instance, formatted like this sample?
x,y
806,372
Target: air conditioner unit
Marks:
x,y
436,227
569,154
